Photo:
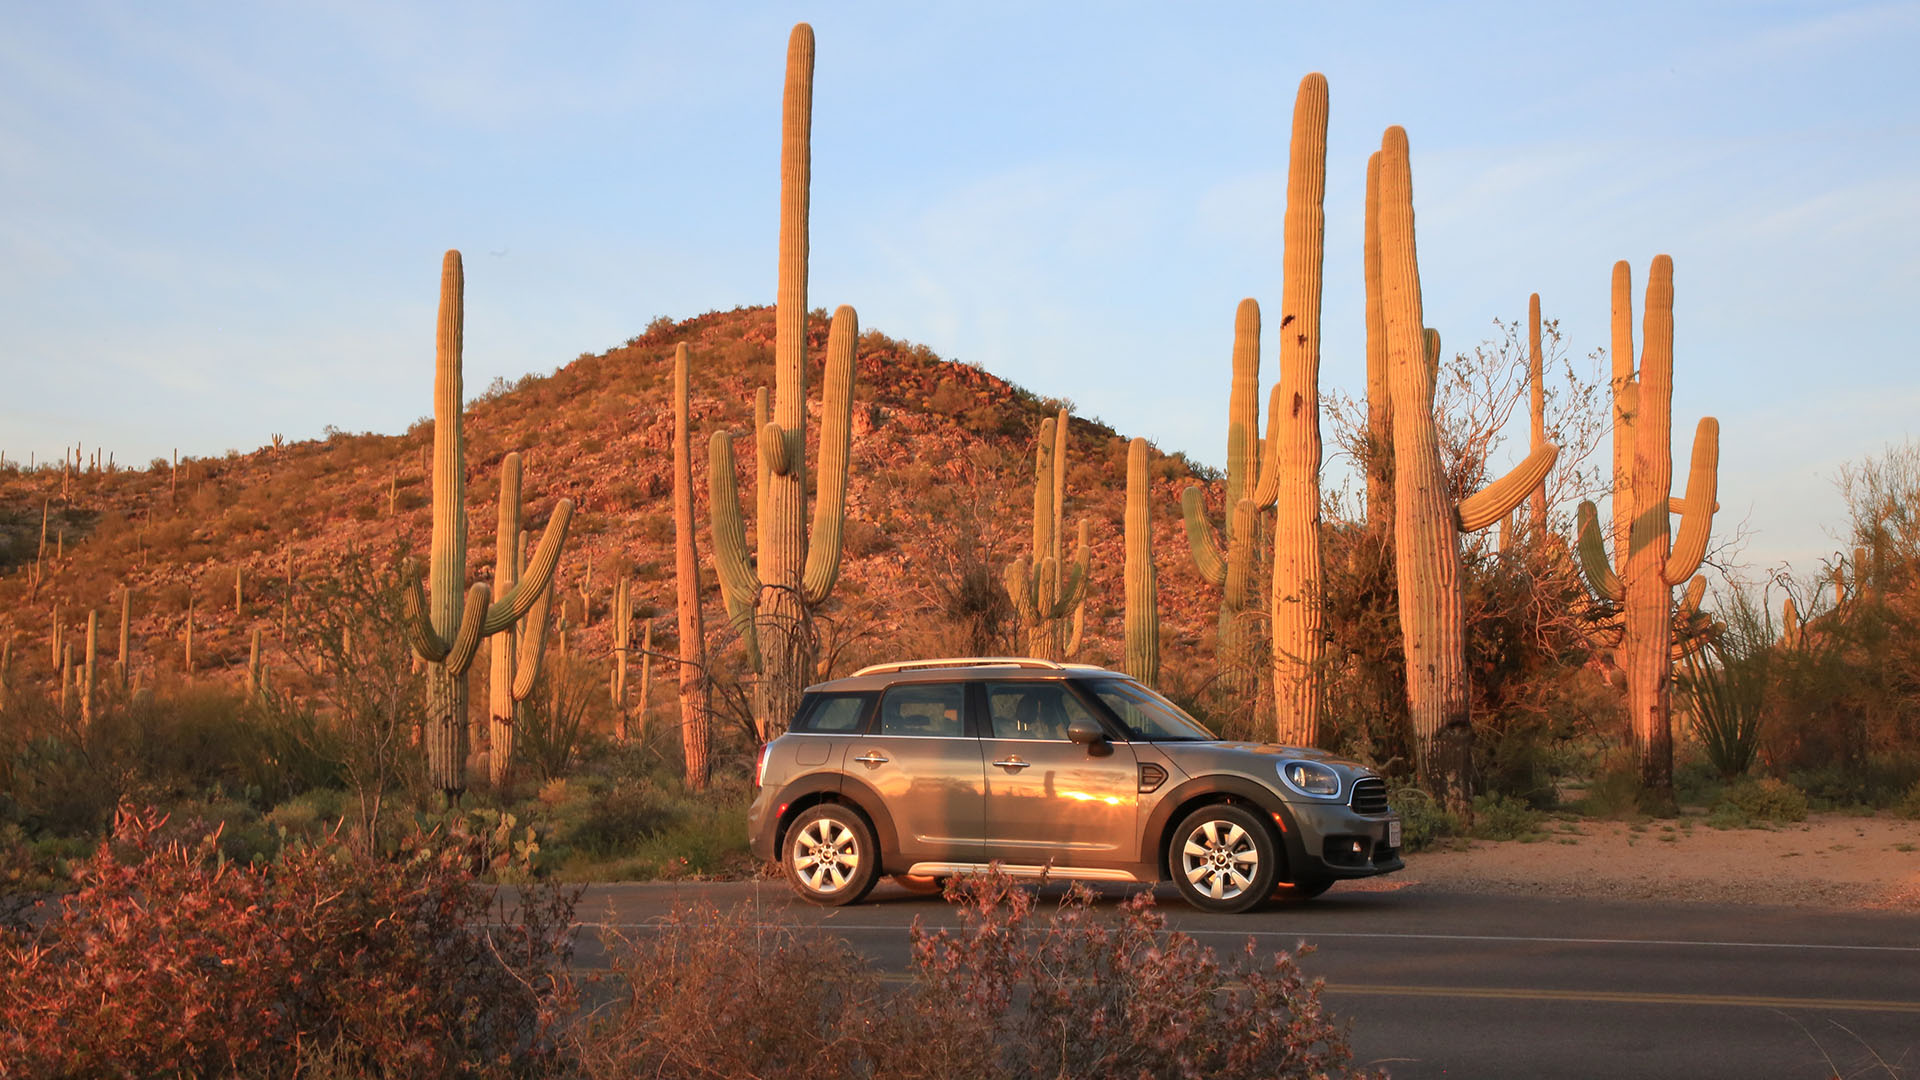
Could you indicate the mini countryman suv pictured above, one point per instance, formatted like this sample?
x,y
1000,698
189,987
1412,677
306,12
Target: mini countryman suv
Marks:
x,y
934,768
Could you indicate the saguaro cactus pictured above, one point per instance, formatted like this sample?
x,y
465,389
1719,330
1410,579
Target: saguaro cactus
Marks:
x,y
1250,480
1045,590
1656,560
1142,582
696,737
1427,525
517,653
793,575
1537,413
1379,443
445,627
123,669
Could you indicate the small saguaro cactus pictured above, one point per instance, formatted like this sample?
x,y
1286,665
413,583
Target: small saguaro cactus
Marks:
x,y
445,626
794,574
1142,581
1047,591
622,643
1427,524
696,734
1656,560
517,653
87,684
122,669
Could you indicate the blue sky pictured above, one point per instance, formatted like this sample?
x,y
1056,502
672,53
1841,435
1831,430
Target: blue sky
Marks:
x,y
219,222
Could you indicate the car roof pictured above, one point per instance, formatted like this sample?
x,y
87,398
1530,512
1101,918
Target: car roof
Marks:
x,y
881,676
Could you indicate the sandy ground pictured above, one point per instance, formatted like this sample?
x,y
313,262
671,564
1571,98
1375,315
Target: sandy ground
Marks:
x,y
1829,860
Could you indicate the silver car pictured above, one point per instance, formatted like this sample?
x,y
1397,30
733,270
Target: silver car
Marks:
x,y
932,768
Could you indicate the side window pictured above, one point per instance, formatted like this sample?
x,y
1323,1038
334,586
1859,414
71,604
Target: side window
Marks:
x,y
1032,710
930,709
834,714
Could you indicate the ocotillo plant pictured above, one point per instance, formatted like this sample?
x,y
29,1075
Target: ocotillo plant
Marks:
x,y
1142,582
695,735
776,597
1229,565
445,630
1045,591
1299,641
1656,560
1427,524
516,657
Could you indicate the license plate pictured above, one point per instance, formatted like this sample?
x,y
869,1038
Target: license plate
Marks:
x,y
1393,833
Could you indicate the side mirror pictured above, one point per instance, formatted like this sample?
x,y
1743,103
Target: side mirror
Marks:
x,y
1086,732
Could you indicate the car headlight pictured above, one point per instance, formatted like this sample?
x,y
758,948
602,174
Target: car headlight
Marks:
x,y
1311,778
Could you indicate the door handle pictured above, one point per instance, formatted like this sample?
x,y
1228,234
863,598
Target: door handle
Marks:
x,y
1013,763
873,757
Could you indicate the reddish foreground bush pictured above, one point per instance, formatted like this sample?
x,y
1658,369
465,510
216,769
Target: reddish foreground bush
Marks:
x,y
1078,993
169,961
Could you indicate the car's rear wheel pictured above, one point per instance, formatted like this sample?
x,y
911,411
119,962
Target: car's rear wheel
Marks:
x,y
1223,858
831,857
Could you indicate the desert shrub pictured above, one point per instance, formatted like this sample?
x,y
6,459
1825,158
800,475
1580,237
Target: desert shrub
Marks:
x,y
1008,994
392,968
1423,822
1503,817
1909,804
610,822
1757,801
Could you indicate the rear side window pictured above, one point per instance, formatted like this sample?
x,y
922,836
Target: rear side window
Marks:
x,y
927,709
834,714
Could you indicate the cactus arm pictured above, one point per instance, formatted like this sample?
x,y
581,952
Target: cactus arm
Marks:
x,y
1493,502
1019,582
1243,404
533,646
1237,592
739,585
1690,546
1059,526
1267,490
836,451
763,460
1677,506
1593,557
520,599
1208,557
473,619
771,446
427,644
447,567
1073,583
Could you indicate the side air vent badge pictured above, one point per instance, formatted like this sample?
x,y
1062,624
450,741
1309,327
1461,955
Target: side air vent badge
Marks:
x,y
1151,776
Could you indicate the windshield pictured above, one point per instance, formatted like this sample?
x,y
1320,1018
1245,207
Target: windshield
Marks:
x,y
1147,716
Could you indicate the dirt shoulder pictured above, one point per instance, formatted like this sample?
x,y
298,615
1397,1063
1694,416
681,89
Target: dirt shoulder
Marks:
x,y
1829,860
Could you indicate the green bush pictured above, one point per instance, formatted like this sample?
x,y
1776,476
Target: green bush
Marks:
x,y
1613,793
1758,801
1503,817
1909,805
1422,821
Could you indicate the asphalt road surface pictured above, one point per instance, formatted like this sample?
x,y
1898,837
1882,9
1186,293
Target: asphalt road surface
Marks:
x,y
1453,985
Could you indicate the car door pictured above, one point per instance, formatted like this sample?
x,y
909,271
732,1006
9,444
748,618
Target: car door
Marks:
x,y
1049,798
924,761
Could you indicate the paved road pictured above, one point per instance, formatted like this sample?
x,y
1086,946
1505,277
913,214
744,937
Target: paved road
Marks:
x,y
1450,985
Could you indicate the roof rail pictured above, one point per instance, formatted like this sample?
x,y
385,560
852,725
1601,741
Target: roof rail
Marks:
x,y
959,661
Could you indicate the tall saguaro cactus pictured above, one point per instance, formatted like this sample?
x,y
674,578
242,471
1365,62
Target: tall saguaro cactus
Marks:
x,y
1655,559
1427,525
1537,412
1299,642
445,626
793,574
1046,591
696,736
1379,443
1142,660
517,653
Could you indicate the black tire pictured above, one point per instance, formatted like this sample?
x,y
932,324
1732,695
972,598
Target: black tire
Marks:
x,y
1223,858
830,856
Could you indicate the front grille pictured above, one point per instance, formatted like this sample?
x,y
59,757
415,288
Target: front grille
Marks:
x,y
1369,796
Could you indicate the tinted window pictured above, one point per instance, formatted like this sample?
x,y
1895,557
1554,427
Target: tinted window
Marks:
x,y
1147,716
933,709
829,714
1032,710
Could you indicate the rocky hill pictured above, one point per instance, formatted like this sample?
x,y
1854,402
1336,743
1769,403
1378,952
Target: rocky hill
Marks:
x,y
939,503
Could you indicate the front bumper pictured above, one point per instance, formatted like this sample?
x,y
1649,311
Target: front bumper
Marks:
x,y
1335,842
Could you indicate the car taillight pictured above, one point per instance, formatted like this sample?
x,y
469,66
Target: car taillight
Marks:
x,y
760,767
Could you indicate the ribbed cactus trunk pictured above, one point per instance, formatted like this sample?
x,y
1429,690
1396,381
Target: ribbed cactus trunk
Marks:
x,y
446,626
1045,589
1537,412
502,714
1299,641
1379,463
1625,393
1142,660
1426,549
87,684
124,668
696,739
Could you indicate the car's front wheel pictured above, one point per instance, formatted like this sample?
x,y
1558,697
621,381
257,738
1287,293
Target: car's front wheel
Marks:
x,y
831,857
1223,858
